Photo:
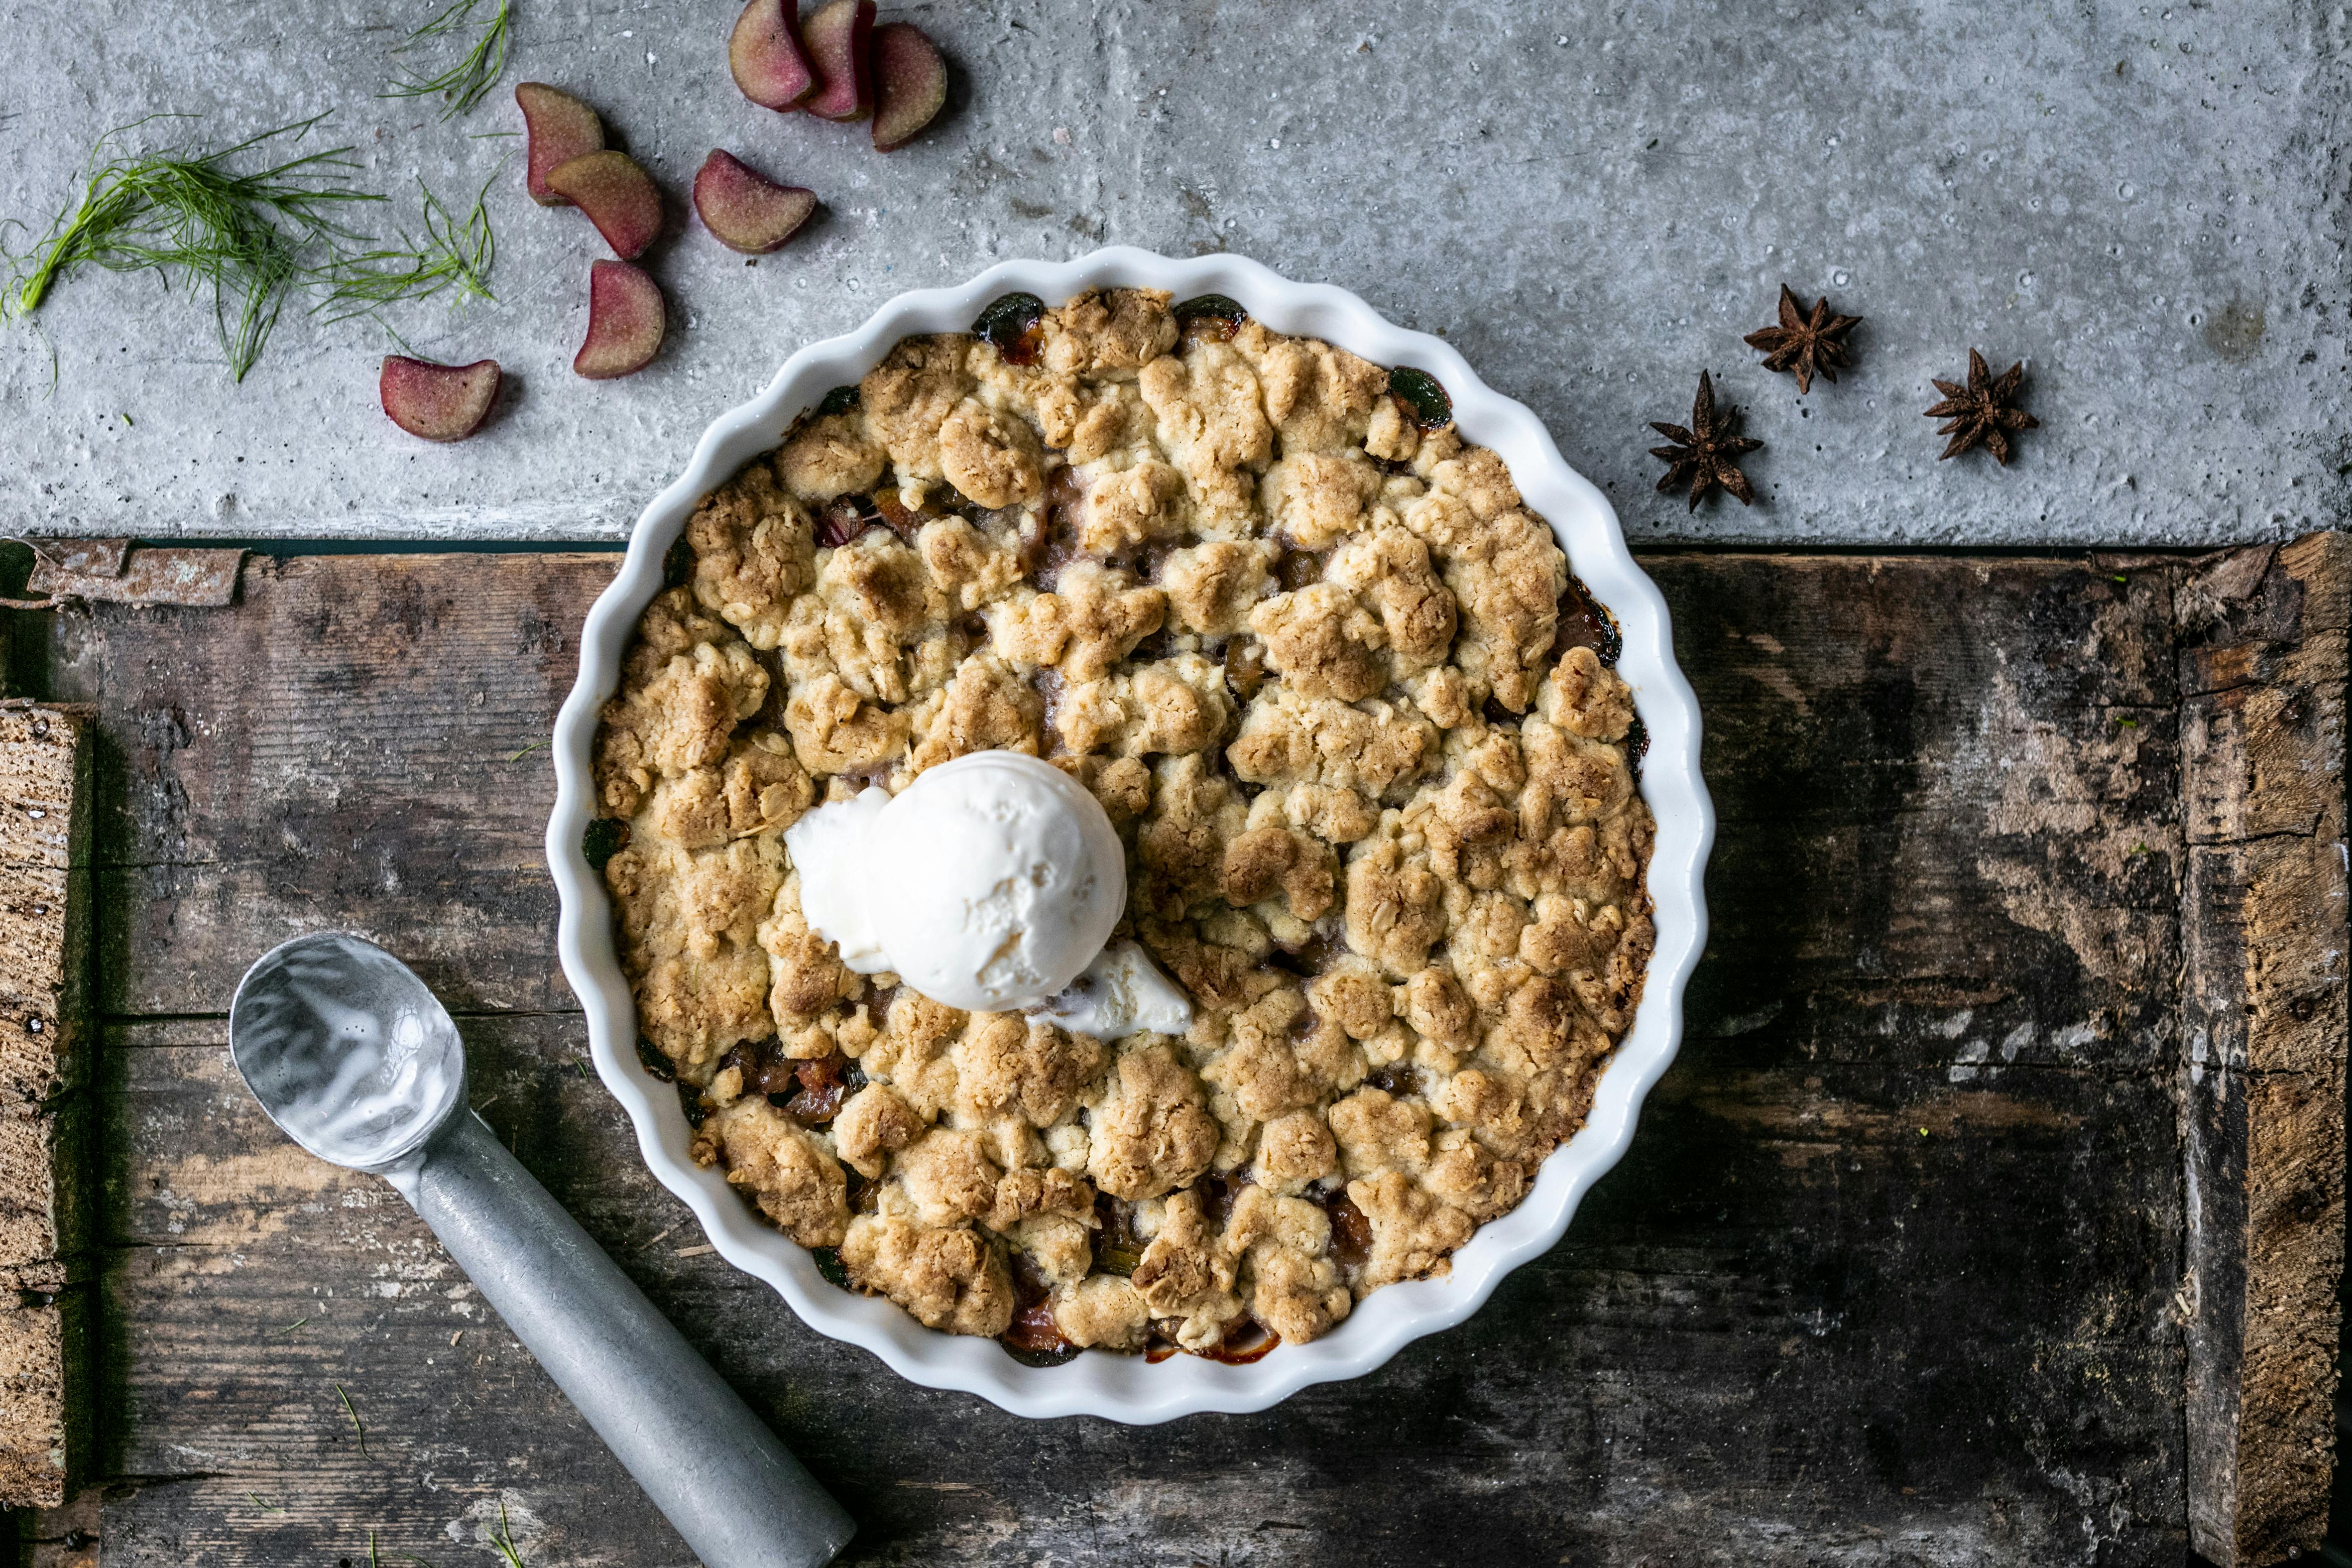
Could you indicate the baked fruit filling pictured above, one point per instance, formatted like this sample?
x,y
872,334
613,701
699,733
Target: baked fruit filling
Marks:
x,y
1360,735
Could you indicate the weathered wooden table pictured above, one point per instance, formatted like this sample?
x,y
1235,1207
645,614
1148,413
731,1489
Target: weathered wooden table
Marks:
x,y
1992,1214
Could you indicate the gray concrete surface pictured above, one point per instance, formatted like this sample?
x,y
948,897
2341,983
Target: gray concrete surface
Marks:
x,y
2144,203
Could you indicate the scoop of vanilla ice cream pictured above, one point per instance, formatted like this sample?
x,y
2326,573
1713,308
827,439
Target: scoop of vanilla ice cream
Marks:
x,y
990,883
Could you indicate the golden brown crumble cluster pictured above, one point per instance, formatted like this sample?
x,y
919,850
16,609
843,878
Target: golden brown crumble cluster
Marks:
x,y
1311,656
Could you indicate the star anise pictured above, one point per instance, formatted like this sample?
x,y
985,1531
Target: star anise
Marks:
x,y
1704,453
1979,412
1808,342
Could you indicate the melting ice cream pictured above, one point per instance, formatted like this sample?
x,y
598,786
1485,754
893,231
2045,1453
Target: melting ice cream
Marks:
x,y
991,883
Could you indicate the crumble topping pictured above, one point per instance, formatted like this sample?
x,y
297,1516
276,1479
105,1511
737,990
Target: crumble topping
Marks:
x,y
1377,792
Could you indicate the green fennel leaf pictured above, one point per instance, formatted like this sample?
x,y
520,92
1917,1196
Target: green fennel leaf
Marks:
x,y
351,1410
247,235
454,254
504,1540
254,237
464,83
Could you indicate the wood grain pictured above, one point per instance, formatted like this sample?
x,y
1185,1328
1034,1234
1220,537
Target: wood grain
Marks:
x,y
1892,1273
2263,674
45,1250
363,744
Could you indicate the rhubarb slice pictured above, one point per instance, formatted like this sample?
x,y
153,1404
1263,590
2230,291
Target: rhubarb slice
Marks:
x,y
438,402
911,84
626,318
839,43
557,128
618,196
766,57
743,209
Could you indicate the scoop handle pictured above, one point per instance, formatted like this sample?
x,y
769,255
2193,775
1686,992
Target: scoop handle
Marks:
x,y
719,1474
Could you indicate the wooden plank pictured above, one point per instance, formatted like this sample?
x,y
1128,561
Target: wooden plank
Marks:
x,y
44,1246
1890,1273
360,743
1948,791
2263,1018
118,572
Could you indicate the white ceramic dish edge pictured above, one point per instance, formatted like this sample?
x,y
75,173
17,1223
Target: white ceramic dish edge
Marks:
x,y
1124,1388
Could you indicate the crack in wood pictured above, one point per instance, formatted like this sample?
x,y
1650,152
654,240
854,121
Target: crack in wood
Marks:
x,y
2263,1030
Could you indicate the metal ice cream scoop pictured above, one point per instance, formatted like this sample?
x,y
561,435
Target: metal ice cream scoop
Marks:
x,y
359,1063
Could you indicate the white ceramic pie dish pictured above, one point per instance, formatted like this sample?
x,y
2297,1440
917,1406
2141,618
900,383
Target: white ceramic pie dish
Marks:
x,y
1123,1387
